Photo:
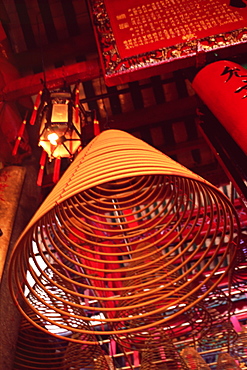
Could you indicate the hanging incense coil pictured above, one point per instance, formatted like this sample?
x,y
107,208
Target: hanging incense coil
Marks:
x,y
151,361
193,359
227,362
239,270
240,347
120,192
79,356
166,357
221,332
36,349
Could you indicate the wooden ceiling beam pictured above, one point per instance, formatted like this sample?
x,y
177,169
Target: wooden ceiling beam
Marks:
x,y
168,111
58,52
32,84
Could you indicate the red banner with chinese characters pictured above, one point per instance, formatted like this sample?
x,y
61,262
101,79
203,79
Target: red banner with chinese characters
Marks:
x,y
141,26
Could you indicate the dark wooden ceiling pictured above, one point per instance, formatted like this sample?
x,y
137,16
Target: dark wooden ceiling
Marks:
x,y
161,110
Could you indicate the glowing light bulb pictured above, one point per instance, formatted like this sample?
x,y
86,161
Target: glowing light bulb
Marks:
x,y
53,137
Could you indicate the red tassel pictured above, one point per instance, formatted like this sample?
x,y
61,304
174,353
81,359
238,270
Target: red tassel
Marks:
x,y
56,173
35,108
43,158
40,176
96,128
20,135
16,146
77,93
42,168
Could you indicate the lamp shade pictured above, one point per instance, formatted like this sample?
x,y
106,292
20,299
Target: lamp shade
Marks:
x,y
61,125
130,230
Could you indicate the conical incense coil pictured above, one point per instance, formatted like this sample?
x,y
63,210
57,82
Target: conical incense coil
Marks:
x,y
87,358
165,357
37,350
193,359
240,346
239,271
227,362
221,332
119,192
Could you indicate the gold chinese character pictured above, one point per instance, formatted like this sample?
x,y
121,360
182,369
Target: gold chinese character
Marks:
x,y
123,25
121,16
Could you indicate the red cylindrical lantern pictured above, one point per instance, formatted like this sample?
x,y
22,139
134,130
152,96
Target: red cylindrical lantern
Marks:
x,y
222,86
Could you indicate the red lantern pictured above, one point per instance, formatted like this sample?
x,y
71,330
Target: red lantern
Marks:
x,y
61,117
222,86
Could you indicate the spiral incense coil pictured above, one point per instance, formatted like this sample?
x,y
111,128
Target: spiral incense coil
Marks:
x,y
78,357
221,332
151,361
239,270
193,359
120,192
36,348
166,357
227,362
240,346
